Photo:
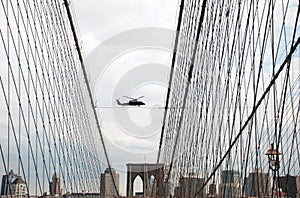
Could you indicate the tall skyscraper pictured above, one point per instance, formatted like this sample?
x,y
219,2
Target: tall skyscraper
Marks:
x,y
230,184
290,185
18,187
107,188
55,185
13,185
6,182
212,191
189,186
298,186
259,184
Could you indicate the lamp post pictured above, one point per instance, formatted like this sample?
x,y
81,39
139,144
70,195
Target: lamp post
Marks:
x,y
273,157
274,164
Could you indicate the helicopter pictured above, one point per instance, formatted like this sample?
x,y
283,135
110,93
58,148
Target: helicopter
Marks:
x,y
131,102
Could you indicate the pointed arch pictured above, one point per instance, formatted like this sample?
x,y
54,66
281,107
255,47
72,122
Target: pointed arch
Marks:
x,y
138,185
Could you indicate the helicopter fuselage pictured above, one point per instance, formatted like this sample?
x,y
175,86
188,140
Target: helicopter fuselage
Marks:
x,y
136,103
131,103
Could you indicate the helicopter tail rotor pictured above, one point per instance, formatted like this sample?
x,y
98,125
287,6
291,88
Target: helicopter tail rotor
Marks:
x,y
118,101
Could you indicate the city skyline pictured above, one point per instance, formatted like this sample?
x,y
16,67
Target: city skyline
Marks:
x,y
219,83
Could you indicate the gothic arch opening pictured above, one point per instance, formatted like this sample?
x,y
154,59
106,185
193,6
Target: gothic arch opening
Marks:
x,y
139,176
138,185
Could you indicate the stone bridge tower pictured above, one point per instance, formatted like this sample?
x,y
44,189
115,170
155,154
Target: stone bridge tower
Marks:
x,y
146,171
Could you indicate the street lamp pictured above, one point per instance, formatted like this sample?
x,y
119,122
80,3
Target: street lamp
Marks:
x,y
273,156
274,164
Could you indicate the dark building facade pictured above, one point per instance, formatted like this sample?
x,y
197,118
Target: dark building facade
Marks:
x,y
259,184
13,185
6,182
290,185
107,188
212,191
55,188
230,184
189,186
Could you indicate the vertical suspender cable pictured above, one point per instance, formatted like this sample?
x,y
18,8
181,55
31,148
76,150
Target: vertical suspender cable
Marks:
x,y
190,72
89,90
181,7
255,107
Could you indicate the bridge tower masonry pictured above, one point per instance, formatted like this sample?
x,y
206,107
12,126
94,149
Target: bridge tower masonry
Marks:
x,y
146,171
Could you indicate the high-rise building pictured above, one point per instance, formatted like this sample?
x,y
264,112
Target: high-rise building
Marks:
x,y
259,184
55,185
6,181
13,185
298,186
189,186
245,187
18,187
230,176
212,191
107,188
290,185
230,184
176,192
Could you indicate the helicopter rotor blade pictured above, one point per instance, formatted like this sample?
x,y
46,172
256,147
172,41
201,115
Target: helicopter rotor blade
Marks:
x,y
129,97
139,97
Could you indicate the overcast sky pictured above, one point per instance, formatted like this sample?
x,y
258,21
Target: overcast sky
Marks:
x,y
131,135
99,20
